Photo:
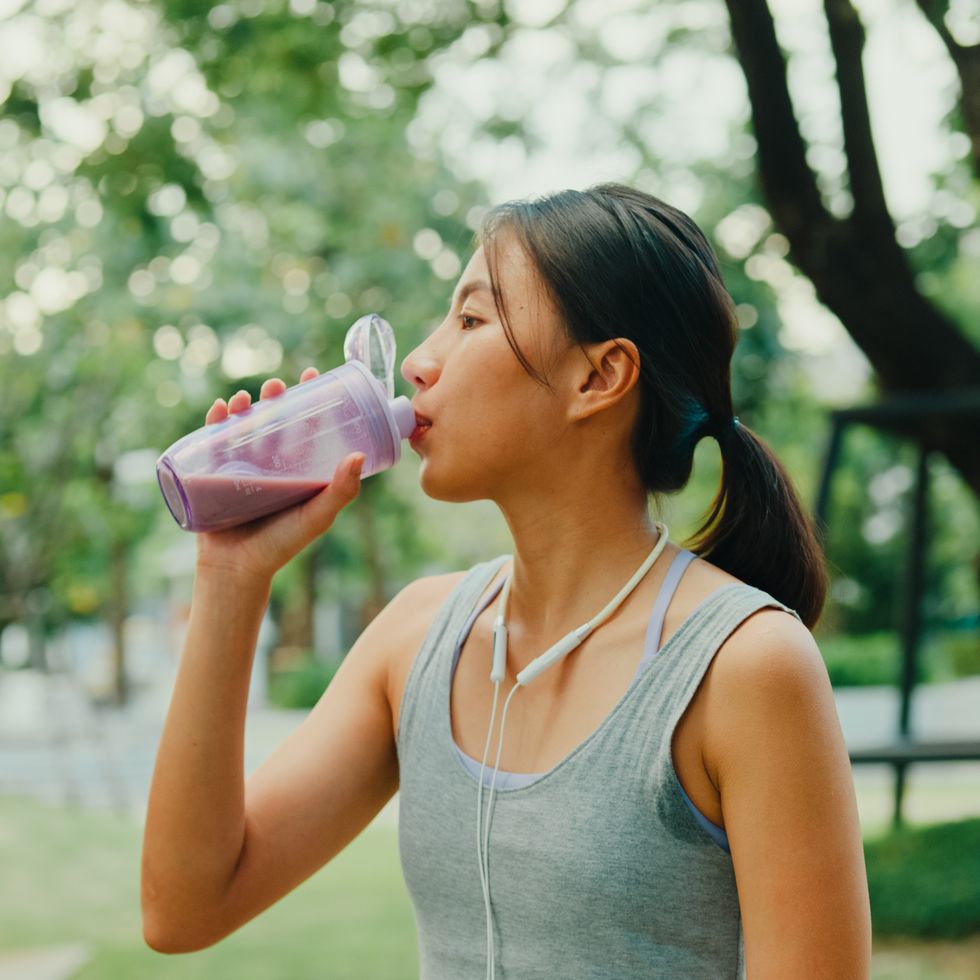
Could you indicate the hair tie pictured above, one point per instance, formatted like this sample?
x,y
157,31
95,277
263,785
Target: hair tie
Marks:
x,y
719,430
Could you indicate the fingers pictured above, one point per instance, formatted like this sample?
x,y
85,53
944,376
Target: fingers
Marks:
x,y
239,401
274,387
218,412
349,472
271,388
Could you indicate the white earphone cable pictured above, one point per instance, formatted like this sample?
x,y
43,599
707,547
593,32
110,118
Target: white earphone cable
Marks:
x,y
484,872
524,677
486,831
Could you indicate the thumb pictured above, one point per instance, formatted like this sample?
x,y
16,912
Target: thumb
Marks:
x,y
352,475
346,480
318,513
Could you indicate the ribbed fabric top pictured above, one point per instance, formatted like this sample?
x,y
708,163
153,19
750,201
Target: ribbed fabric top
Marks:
x,y
598,868
651,645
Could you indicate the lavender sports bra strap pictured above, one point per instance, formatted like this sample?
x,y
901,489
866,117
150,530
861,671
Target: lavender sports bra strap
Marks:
x,y
655,625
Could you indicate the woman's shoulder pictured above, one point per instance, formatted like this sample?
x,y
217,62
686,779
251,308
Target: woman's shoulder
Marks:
x,y
415,608
428,592
412,610
770,645
763,674
772,614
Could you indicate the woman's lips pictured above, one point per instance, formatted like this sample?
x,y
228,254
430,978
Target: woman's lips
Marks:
x,y
422,425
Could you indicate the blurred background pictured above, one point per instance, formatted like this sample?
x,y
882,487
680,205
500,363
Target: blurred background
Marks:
x,y
194,198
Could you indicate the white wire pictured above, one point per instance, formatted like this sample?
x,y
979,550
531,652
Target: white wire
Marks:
x,y
486,838
615,602
483,842
484,874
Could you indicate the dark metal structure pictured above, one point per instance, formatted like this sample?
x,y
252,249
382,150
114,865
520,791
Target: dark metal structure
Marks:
x,y
901,415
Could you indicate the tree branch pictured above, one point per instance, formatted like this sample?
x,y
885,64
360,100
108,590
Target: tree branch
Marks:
x,y
935,11
790,185
967,61
847,44
857,267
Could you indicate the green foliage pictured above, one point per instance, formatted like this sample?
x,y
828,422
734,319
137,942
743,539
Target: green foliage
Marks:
x,y
861,660
252,193
962,652
875,658
868,537
257,180
925,881
302,683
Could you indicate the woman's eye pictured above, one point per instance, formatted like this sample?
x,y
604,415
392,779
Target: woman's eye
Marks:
x,y
468,322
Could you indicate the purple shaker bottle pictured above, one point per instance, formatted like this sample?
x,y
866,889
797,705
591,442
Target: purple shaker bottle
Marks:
x,y
284,450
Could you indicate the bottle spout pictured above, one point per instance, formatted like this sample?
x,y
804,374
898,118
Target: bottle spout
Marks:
x,y
404,415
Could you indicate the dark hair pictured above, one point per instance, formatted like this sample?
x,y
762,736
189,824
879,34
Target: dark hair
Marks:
x,y
621,263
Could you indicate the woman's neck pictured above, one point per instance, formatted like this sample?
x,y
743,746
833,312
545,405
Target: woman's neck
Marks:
x,y
567,567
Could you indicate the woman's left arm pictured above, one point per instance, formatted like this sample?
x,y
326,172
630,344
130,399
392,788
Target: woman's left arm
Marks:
x,y
774,748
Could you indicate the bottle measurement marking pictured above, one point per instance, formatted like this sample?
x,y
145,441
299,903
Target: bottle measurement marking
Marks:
x,y
274,427
246,486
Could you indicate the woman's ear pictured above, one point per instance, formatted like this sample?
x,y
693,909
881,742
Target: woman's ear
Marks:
x,y
608,372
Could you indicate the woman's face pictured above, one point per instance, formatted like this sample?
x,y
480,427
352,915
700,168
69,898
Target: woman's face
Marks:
x,y
494,428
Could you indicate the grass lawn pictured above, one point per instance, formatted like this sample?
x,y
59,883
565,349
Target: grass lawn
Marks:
x,y
72,876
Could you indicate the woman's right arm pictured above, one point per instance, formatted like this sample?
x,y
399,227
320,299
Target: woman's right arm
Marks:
x,y
195,814
216,851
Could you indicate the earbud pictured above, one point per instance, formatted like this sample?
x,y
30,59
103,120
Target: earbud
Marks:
x,y
499,650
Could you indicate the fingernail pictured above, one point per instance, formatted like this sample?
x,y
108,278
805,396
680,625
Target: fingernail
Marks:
x,y
358,466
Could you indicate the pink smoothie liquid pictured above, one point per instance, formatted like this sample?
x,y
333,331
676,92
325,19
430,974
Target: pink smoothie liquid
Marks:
x,y
220,500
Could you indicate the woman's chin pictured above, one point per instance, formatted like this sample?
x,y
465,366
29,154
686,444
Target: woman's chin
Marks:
x,y
450,490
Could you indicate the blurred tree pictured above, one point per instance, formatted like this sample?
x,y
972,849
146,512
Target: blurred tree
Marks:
x,y
966,58
197,196
854,260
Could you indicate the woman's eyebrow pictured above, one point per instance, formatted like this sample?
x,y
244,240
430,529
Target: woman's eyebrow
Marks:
x,y
473,286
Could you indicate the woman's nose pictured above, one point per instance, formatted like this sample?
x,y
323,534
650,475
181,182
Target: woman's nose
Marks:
x,y
419,367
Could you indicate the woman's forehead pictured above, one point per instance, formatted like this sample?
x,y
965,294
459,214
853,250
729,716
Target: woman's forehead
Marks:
x,y
504,263
475,279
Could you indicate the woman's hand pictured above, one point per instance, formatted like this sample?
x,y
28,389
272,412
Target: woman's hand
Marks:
x,y
261,547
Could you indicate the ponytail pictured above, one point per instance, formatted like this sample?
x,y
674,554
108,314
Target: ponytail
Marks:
x,y
756,528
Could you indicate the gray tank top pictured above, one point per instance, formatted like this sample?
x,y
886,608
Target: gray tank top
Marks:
x,y
598,868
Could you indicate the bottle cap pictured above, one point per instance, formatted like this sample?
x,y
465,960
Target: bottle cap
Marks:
x,y
372,342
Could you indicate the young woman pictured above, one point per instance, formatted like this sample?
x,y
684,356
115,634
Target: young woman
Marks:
x,y
671,796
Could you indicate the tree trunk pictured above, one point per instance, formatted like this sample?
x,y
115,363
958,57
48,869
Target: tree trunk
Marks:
x,y
118,607
376,598
296,620
856,265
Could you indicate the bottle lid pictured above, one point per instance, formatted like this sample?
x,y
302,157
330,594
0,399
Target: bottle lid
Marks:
x,y
372,342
